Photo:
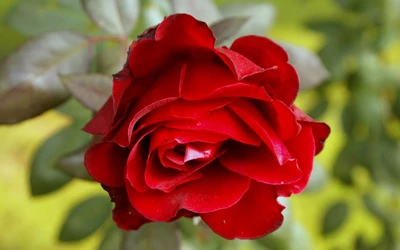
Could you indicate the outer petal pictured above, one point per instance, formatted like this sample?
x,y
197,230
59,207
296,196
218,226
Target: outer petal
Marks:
x,y
126,216
217,189
255,215
102,121
302,148
320,130
105,162
281,83
177,37
260,164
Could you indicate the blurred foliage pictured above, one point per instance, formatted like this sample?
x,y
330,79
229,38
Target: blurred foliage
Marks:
x,y
352,201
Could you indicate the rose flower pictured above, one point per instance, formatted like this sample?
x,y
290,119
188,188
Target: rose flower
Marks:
x,y
194,130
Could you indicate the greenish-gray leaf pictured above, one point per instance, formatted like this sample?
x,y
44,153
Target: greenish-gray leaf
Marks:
x,y
308,65
91,90
75,111
85,218
44,178
261,17
334,217
154,12
36,17
29,83
204,10
112,238
73,164
226,28
117,17
152,236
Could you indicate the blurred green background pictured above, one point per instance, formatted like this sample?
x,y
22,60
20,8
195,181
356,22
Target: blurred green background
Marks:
x,y
353,201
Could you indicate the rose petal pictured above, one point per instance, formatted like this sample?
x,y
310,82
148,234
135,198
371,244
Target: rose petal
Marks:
x,y
249,113
239,65
102,121
320,130
105,162
282,83
222,121
177,37
217,189
126,216
301,148
281,118
258,163
255,215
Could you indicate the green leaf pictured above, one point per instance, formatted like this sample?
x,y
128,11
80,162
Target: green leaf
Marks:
x,y
44,178
335,217
308,65
204,10
29,83
112,238
226,28
36,17
117,17
152,236
85,218
75,111
111,59
73,164
352,154
261,17
91,90
154,12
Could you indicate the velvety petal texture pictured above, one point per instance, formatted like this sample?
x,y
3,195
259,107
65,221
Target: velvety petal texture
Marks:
x,y
194,130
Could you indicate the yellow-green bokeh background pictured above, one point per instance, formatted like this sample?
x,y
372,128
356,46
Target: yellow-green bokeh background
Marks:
x,y
28,223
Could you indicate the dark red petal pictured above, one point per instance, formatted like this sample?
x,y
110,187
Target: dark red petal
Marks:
x,y
166,89
257,214
239,65
182,109
177,37
258,163
249,113
126,216
105,162
224,122
282,119
320,130
301,148
281,83
217,189
102,121
137,161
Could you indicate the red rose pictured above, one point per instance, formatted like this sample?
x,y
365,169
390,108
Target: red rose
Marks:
x,y
192,130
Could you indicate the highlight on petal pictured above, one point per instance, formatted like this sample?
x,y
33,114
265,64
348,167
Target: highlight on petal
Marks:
x,y
105,162
257,214
217,189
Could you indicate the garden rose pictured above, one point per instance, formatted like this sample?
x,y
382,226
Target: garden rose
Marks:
x,y
194,130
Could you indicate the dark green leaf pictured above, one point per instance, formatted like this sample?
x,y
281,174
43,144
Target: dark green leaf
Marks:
x,y
91,90
226,28
308,65
319,109
36,17
334,217
44,178
152,236
352,154
117,17
204,10
73,164
29,83
85,218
